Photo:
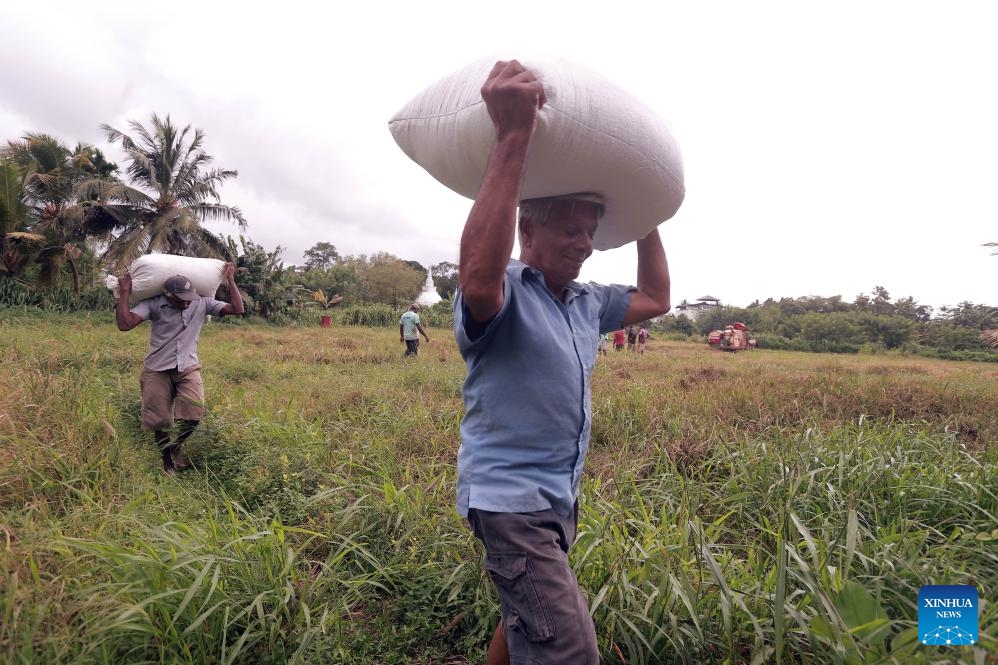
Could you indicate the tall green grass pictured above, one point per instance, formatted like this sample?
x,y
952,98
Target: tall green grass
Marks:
x,y
764,507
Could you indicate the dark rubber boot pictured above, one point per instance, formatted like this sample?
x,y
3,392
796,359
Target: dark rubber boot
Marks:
x,y
180,461
168,466
162,438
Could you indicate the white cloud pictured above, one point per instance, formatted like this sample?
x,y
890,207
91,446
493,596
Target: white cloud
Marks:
x,y
829,149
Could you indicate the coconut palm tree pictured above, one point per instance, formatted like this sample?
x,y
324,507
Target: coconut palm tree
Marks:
x,y
172,192
17,244
44,216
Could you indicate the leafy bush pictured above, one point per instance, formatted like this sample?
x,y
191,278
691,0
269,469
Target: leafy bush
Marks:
x,y
20,295
374,316
774,342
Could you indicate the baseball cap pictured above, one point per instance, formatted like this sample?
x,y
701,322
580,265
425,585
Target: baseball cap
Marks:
x,y
181,287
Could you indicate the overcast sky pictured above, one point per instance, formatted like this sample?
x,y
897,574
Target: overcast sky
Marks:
x,y
828,148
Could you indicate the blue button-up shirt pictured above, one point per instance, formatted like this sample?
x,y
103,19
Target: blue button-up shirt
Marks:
x,y
528,409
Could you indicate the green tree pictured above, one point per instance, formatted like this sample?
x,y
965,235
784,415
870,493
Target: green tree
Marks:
x,y
173,190
823,305
792,307
881,303
969,315
18,244
415,265
387,279
836,328
910,309
260,274
890,330
445,279
344,280
321,256
677,324
54,206
946,335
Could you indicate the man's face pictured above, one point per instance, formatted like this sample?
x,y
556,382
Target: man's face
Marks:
x,y
562,245
176,302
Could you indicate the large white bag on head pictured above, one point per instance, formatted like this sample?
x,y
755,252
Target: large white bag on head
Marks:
x,y
150,272
591,137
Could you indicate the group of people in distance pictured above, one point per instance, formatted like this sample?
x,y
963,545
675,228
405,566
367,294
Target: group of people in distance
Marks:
x,y
634,336
528,415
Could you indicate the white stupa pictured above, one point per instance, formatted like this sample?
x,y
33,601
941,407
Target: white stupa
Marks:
x,y
429,297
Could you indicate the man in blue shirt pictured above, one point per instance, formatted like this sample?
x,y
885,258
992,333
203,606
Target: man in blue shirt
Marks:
x,y
410,329
528,333
171,373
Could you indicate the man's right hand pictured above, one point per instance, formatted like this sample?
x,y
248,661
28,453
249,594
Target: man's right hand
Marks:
x,y
513,95
123,316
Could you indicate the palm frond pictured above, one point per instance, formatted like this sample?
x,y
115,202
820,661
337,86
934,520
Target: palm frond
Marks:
x,y
220,212
113,190
24,235
102,220
213,246
127,247
143,134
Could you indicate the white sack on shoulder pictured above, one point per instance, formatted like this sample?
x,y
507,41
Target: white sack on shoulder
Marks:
x,y
591,137
150,272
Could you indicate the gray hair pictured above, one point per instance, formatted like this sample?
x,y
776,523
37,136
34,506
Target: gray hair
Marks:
x,y
539,210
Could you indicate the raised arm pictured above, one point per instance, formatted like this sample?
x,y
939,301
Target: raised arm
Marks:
x,y
513,96
236,306
653,295
123,315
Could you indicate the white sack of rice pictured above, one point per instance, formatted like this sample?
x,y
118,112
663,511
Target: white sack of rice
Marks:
x,y
591,137
150,272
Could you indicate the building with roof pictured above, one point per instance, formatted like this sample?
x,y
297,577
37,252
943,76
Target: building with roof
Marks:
x,y
695,309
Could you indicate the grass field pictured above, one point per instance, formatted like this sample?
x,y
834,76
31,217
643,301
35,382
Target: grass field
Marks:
x,y
760,507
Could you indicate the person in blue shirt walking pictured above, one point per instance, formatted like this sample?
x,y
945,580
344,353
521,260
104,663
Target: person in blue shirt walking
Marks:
x,y
410,329
527,331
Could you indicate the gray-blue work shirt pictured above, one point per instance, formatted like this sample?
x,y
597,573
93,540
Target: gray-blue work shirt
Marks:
x,y
174,340
527,397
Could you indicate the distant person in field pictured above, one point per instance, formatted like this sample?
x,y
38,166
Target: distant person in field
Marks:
x,y
642,338
632,337
171,374
410,329
603,341
527,331
618,339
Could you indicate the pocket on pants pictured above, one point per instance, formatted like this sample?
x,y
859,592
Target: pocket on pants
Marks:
x,y
523,602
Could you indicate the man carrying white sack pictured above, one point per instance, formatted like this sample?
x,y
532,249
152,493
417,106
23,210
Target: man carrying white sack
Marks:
x,y
171,374
528,333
